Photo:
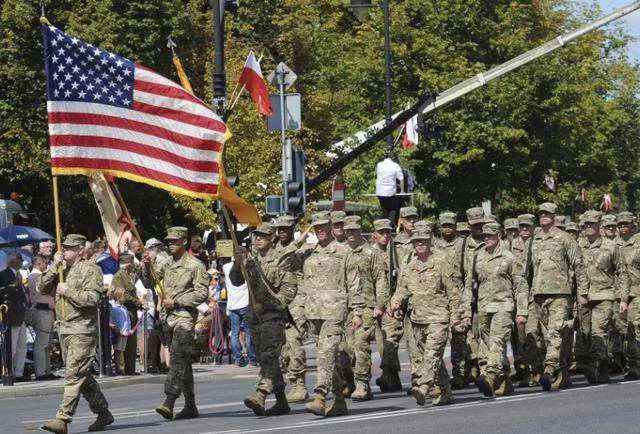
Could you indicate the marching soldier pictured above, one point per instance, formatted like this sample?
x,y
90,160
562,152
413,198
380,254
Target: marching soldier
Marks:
x,y
337,226
273,284
77,301
512,230
609,224
554,254
625,334
186,286
363,268
573,229
494,290
608,277
325,311
293,354
390,327
434,286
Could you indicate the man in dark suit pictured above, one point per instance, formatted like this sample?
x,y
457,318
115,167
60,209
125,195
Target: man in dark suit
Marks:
x,y
12,294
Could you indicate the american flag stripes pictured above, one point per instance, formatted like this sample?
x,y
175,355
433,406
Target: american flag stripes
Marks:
x,y
108,114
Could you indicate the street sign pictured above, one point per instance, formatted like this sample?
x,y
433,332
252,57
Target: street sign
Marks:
x,y
224,248
290,77
293,116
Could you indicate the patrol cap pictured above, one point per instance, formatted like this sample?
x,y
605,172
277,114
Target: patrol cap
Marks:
x,y
320,218
338,216
626,217
447,218
609,220
408,211
74,240
548,207
420,235
560,221
462,227
176,233
527,219
352,222
572,227
265,229
511,223
492,228
284,221
125,258
423,225
490,218
152,242
382,224
475,215
591,216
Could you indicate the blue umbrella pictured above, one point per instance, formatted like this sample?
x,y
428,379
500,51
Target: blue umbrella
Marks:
x,y
14,235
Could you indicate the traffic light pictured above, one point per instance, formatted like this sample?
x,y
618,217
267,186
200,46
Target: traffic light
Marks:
x,y
296,186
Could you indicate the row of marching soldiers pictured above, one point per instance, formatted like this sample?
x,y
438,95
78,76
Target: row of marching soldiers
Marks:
x,y
477,285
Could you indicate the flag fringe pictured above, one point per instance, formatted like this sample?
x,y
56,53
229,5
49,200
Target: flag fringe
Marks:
x,y
126,175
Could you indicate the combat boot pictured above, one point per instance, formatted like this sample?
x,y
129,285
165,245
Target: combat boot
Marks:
x,y
280,407
362,392
442,396
338,407
521,371
633,374
317,406
190,411
389,381
562,381
420,394
298,392
486,384
256,402
505,386
459,382
56,426
590,371
166,409
603,372
547,379
103,420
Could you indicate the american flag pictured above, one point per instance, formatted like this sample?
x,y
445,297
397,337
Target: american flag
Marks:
x,y
109,114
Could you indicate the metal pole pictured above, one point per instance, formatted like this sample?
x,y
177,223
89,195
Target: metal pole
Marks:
x,y
482,79
387,68
283,139
144,341
219,101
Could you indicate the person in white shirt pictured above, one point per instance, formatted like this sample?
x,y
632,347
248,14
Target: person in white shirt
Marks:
x,y
237,308
388,176
42,319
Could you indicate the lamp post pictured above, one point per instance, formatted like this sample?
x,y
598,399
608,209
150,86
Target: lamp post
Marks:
x,y
361,11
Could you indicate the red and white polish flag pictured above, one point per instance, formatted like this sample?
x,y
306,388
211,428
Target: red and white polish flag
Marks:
x,y
252,79
410,138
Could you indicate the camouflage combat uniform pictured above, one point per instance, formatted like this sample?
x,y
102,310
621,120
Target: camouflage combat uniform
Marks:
x,y
620,344
273,284
434,288
608,280
76,317
184,280
498,276
554,255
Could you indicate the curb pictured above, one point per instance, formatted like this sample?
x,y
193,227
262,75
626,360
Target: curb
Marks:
x,y
105,383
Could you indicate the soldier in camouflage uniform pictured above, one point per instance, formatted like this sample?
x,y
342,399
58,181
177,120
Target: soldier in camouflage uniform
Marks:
x,y
325,311
77,303
389,325
511,230
185,286
293,354
464,345
462,228
363,268
573,229
434,287
607,276
272,285
519,245
624,346
554,254
337,226
561,222
497,279
609,226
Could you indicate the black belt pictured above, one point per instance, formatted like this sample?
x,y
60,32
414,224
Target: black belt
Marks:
x,y
42,306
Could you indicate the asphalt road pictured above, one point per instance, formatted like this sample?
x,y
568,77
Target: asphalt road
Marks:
x,y
612,408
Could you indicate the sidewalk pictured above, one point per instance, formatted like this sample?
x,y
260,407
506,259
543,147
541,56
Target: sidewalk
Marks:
x,y
201,372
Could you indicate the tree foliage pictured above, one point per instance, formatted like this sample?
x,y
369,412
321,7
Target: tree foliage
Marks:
x,y
575,112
